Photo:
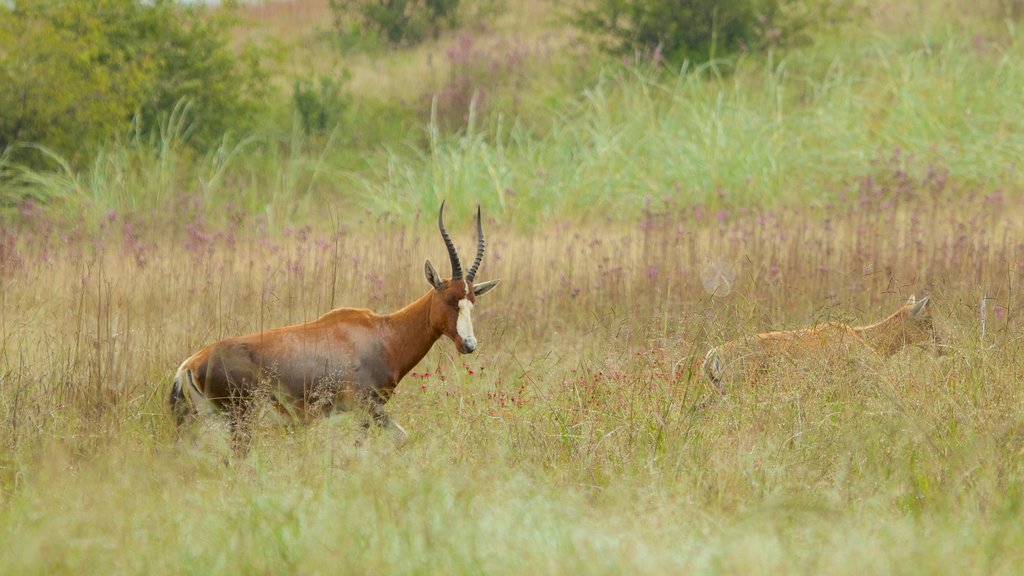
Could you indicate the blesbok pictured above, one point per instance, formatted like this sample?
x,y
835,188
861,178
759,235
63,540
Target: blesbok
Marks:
x,y
347,358
911,324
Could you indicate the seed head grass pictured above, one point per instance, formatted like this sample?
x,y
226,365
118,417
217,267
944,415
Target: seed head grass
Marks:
x,y
577,439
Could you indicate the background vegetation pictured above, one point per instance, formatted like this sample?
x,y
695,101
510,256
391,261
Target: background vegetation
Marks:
x,y
176,174
280,108
699,30
79,74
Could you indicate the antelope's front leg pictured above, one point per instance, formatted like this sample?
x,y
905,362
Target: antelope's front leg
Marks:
x,y
380,418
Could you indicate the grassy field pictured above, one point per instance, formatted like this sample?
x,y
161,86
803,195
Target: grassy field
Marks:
x,y
573,442
824,183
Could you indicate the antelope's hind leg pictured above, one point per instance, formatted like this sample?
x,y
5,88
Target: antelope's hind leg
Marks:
x,y
710,372
240,431
242,414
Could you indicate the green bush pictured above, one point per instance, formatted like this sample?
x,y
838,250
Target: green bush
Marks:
x,y
75,73
397,22
320,104
699,30
228,88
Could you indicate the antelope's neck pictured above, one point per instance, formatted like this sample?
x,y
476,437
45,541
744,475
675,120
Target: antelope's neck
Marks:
x,y
886,337
410,336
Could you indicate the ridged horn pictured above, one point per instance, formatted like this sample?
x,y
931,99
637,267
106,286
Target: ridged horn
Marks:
x,y
453,255
479,246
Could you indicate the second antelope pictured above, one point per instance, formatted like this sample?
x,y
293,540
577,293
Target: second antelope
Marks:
x,y
347,358
911,324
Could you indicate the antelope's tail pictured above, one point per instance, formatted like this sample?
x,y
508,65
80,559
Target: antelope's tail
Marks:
x,y
180,407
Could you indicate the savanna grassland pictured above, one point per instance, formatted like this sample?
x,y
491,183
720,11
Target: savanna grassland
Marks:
x,y
636,215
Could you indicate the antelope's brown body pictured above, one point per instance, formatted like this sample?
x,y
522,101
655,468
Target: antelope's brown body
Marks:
x,y
345,355
911,324
345,358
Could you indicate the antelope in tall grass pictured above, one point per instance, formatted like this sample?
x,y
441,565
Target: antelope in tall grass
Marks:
x,y
347,358
911,324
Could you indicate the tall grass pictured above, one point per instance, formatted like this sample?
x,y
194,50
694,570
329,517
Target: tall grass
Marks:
x,y
264,175
573,442
755,131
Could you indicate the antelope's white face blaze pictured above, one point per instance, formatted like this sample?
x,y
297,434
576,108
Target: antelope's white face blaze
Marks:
x,y
464,325
454,298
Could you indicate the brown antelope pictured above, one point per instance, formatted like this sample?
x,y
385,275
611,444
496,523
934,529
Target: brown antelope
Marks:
x,y
346,358
911,324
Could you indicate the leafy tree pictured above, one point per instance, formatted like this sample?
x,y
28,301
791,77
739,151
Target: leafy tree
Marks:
x,y
697,30
399,21
74,73
320,104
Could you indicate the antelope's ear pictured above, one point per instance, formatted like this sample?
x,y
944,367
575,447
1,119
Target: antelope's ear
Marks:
x,y
484,287
911,300
433,278
918,311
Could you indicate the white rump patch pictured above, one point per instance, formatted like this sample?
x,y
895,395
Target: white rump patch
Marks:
x,y
202,404
713,365
465,322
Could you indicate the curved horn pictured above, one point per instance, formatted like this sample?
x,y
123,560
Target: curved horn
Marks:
x,y
453,255
479,246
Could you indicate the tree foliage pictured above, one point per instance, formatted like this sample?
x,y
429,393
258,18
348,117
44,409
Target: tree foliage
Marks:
x,y
399,21
320,103
698,30
75,73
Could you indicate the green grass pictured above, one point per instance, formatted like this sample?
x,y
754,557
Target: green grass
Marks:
x,y
577,445
793,128
851,493
756,131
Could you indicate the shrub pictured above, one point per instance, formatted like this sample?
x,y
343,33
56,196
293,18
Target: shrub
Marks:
x,y
398,21
320,105
58,86
74,74
195,61
699,30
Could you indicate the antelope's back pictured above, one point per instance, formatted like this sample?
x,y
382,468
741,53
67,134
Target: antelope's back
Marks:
x,y
340,351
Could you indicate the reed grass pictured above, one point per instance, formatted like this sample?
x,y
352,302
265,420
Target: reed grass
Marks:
x,y
573,442
757,131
